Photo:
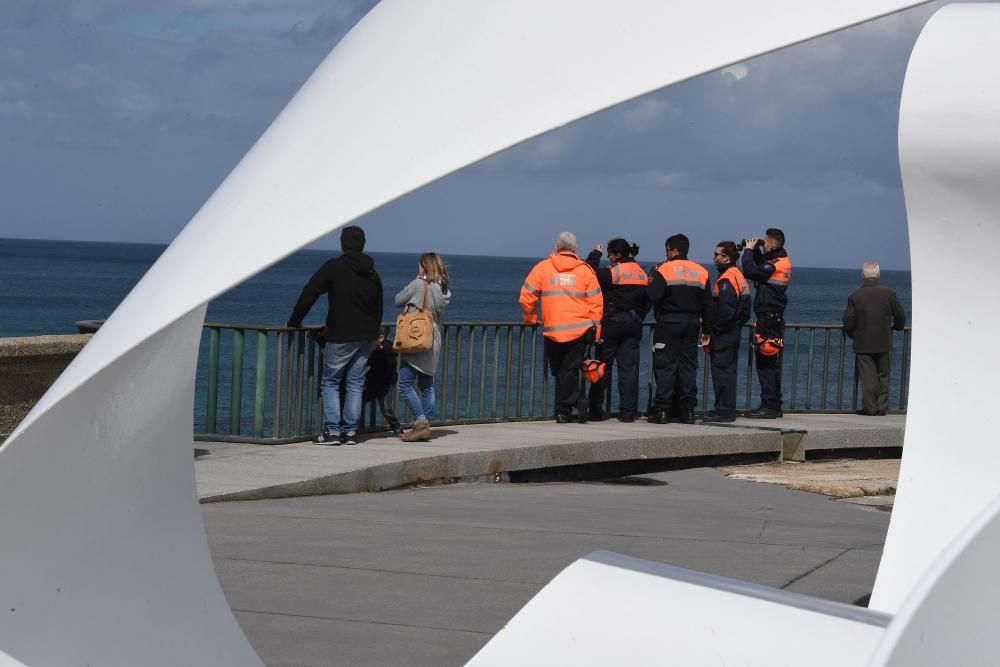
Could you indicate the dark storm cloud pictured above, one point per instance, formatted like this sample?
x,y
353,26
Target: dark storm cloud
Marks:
x,y
134,112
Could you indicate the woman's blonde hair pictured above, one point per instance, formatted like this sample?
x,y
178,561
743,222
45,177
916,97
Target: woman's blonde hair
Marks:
x,y
435,268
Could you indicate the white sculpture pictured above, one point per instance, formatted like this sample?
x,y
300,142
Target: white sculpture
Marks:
x,y
105,558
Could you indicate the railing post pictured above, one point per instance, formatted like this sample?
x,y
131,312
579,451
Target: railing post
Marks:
x,y
236,402
260,385
444,372
520,369
300,363
482,373
843,361
508,363
809,377
278,359
795,368
534,372
458,372
213,381
750,354
826,369
468,380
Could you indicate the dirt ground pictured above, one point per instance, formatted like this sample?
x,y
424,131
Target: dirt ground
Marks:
x,y
864,482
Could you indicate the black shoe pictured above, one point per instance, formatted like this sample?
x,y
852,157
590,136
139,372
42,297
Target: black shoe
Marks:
x,y
597,415
865,413
763,412
582,418
716,418
687,416
880,413
351,439
562,419
658,417
626,417
326,437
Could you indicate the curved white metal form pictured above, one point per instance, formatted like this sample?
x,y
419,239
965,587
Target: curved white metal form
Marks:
x,y
105,557
939,566
608,609
949,148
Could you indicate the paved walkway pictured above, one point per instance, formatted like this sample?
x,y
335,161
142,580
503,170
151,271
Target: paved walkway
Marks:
x,y
427,576
251,472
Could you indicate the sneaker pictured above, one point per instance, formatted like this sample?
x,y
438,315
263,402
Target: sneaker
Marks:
x,y
764,412
716,418
328,437
351,439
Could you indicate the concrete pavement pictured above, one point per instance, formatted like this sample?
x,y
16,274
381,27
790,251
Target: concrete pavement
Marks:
x,y
250,472
426,576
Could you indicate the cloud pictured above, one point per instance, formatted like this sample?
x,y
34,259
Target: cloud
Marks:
x,y
738,71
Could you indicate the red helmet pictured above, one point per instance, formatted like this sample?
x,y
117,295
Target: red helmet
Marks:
x,y
593,369
769,347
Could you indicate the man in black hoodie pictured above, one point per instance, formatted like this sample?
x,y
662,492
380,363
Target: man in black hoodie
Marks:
x,y
354,291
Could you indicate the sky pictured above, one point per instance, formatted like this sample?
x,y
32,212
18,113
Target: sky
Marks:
x,y
118,119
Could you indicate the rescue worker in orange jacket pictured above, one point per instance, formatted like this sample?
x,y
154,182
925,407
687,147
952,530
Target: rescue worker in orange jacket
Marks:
x,y
679,291
724,322
572,308
766,263
625,305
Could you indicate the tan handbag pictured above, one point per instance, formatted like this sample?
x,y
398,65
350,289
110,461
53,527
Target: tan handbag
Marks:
x,y
415,328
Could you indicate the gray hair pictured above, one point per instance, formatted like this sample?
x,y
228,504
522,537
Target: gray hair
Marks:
x,y
566,241
870,270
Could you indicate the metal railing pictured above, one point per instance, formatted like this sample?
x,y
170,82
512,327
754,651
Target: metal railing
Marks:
x,y
260,384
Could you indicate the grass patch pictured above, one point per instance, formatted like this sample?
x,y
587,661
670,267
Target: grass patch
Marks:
x,y
884,491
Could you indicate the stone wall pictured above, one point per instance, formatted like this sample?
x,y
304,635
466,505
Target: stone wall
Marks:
x,y
28,367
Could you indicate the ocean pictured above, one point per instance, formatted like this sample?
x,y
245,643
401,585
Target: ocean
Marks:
x,y
46,286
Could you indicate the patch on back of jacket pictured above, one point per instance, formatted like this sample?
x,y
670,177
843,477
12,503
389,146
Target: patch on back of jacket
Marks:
x,y
564,280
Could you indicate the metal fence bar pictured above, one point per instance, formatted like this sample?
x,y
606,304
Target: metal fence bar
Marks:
x,y
826,370
809,376
278,364
534,372
300,379
260,385
482,373
507,370
444,371
496,367
795,368
213,380
841,363
236,391
297,361
468,382
458,372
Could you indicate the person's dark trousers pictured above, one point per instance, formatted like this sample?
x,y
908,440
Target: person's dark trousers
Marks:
x,y
621,346
769,368
675,361
874,372
724,362
565,360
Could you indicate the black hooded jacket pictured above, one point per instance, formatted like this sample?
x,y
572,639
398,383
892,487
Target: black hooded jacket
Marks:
x,y
354,291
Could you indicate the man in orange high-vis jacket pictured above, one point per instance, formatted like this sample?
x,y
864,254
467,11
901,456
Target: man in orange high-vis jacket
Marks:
x,y
766,264
679,291
572,308
724,323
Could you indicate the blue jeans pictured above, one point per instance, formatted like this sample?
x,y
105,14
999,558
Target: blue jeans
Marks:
x,y
421,403
344,363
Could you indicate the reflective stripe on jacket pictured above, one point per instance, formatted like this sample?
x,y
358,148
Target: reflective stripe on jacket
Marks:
x,y
628,274
570,297
730,302
771,273
735,278
679,286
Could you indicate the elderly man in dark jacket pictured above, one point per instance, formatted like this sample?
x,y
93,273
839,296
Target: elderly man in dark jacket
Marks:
x,y
873,312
